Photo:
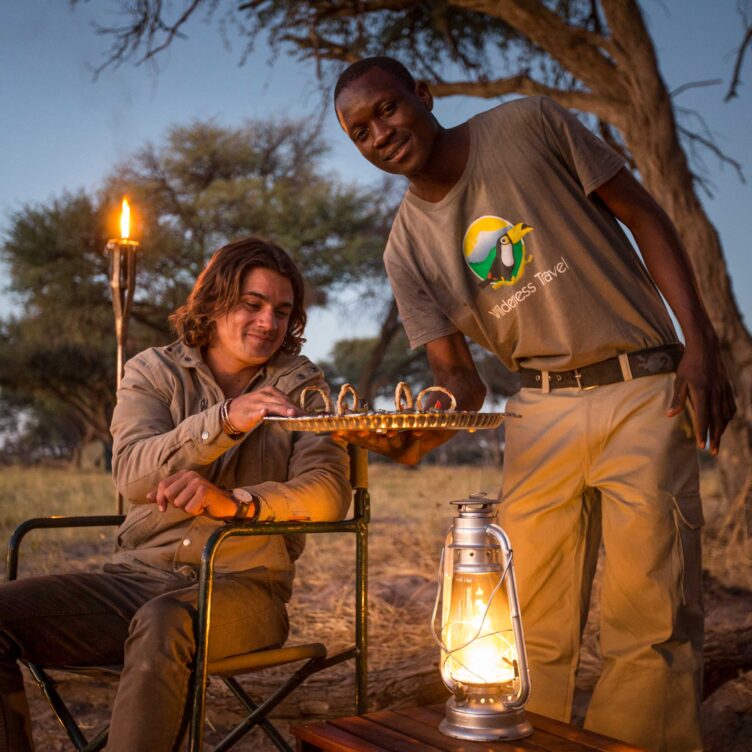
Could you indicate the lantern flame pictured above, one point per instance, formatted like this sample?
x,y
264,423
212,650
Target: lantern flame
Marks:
x,y
125,220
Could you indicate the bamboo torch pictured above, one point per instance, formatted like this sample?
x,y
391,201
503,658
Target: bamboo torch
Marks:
x,y
122,252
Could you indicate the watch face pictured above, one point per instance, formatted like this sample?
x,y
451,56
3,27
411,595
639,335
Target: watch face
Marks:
x,y
240,494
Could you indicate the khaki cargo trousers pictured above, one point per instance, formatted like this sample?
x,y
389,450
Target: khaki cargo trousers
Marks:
x,y
647,511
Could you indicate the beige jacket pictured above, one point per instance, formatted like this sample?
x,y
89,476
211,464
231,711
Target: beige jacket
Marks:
x,y
167,419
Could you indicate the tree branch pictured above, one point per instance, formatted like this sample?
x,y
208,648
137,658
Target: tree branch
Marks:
x,y
346,11
147,24
575,48
694,85
172,31
705,139
389,328
634,51
707,143
522,83
736,76
323,49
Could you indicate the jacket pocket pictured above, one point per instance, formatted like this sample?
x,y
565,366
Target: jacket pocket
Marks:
x,y
140,521
688,522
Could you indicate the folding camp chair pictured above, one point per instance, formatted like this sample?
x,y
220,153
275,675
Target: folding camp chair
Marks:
x,y
314,655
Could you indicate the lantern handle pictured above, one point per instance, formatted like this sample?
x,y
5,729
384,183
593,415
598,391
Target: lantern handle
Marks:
x,y
442,573
514,611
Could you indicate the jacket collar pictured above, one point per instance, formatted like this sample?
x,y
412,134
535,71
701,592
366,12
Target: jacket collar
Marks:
x,y
277,366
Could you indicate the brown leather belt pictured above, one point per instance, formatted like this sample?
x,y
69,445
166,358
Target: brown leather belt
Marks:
x,y
662,359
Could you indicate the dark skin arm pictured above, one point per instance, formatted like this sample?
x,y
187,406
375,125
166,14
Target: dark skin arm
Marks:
x,y
454,369
700,377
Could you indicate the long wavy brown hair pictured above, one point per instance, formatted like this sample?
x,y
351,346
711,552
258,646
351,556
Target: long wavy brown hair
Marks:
x,y
219,286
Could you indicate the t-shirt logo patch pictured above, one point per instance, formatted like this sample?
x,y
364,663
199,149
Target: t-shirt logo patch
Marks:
x,y
495,250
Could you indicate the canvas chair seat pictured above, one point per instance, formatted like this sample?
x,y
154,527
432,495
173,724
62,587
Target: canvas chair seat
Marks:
x,y
234,665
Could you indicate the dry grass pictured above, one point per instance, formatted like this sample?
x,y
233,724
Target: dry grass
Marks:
x,y
410,515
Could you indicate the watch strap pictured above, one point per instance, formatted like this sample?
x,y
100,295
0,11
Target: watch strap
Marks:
x,y
243,512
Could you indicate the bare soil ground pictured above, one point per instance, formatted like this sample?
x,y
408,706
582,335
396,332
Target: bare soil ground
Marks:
x,y
410,516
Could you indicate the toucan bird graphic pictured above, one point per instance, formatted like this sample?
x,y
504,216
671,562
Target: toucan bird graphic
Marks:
x,y
501,262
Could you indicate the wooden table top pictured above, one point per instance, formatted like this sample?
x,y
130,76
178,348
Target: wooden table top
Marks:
x,y
413,729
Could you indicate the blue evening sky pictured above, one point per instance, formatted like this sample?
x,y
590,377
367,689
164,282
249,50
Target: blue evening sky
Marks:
x,y
59,130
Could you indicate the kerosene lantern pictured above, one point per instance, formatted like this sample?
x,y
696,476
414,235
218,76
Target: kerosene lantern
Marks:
x,y
483,661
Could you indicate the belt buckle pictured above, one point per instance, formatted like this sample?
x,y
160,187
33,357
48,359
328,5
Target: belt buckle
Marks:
x,y
578,378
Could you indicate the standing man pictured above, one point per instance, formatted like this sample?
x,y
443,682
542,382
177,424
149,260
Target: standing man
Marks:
x,y
190,454
509,235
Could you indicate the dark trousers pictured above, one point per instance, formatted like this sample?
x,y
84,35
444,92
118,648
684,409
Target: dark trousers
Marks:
x,y
144,620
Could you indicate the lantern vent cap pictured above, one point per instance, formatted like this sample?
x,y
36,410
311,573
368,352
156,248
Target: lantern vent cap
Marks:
x,y
476,505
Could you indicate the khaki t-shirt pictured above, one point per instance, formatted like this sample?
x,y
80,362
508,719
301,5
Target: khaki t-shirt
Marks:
x,y
518,256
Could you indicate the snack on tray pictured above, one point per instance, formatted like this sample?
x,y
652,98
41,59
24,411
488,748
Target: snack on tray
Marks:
x,y
322,392
403,390
409,414
419,400
343,392
403,400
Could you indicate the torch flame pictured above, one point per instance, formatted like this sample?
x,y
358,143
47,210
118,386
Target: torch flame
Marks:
x,y
125,220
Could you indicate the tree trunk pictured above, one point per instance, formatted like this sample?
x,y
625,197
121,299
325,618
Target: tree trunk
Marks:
x,y
669,180
389,328
728,633
650,132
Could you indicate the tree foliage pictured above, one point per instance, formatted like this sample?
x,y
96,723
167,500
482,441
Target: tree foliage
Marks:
x,y
399,363
204,185
207,183
55,355
349,358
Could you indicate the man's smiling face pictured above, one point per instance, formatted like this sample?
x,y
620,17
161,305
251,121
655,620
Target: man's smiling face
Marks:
x,y
256,327
391,125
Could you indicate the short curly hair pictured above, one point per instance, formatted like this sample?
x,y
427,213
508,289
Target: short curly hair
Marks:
x,y
359,68
219,287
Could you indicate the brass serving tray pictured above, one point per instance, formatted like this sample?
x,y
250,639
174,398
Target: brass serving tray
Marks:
x,y
381,422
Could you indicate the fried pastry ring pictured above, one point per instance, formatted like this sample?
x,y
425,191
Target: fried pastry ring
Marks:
x,y
403,391
324,394
343,392
419,400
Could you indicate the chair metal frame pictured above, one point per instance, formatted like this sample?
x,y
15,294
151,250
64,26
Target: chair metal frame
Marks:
x,y
258,713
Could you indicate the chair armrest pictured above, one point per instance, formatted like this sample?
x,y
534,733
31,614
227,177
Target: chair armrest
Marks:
x,y
358,524
252,529
35,523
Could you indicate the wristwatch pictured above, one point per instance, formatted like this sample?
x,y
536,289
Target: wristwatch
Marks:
x,y
244,499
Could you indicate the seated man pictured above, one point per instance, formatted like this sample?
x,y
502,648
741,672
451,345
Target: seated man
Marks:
x,y
190,453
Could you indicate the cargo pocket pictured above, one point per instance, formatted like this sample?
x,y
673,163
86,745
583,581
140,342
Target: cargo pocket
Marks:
x,y
688,522
138,524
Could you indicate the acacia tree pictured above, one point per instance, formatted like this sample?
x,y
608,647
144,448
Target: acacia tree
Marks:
x,y
595,56
56,355
203,185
